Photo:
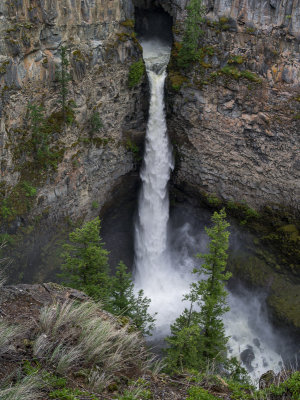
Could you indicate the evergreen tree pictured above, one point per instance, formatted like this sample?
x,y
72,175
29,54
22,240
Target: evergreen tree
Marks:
x,y
86,262
86,268
38,130
192,33
198,336
124,301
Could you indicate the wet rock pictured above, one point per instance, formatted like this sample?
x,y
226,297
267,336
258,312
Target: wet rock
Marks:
x,y
247,356
267,379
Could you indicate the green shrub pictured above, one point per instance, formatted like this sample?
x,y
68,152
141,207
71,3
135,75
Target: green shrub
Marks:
x,y
213,200
198,393
188,52
95,122
68,394
30,190
236,60
128,23
136,73
250,76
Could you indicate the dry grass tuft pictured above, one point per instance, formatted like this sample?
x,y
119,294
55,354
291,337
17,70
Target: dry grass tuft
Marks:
x,y
26,389
73,335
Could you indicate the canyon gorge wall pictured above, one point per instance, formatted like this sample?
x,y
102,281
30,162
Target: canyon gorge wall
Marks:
x,y
234,117
40,198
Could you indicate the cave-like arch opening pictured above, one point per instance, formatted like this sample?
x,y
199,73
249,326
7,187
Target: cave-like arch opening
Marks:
x,y
152,21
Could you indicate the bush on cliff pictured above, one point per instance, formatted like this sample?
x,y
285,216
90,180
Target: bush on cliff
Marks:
x,y
136,73
189,50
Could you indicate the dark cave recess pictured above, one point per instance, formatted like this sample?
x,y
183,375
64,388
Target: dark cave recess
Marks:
x,y
152,21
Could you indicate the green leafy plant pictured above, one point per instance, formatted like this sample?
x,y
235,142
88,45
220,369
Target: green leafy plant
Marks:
x,y
136,73
30,190
188,52
198,393
85,264
124,301
63,77
86,268
95,205
95,122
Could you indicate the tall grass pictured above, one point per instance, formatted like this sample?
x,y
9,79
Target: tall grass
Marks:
x,y
73,335
8,333
26,389
4,263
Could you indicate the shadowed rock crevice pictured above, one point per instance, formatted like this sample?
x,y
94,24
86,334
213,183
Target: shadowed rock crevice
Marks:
x,y
153,22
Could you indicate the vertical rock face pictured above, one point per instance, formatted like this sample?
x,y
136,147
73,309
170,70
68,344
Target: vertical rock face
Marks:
x,y
91,154
235,115
100,51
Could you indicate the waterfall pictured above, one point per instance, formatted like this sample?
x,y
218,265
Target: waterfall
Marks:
x,y
163,269
151,242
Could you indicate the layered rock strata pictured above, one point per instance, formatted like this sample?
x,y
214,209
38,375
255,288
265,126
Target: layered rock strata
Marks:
x,y
234,117
93,151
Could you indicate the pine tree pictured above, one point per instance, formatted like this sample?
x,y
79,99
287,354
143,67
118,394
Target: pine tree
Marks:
x,y
212,291
40,138
86,262
86,268
192,33
198,336
124,301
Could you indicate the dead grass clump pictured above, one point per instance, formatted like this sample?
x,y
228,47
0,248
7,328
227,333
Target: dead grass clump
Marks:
x,y
73,335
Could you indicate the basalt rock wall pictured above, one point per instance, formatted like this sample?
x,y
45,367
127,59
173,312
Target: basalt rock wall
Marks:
x,y
91,153
234,116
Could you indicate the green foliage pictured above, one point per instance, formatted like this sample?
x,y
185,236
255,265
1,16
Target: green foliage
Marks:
x,y
238,59
86,262
42,128
30,190
123,300
95,122
290,386
136,73
235,73
189,50
95,205
213,200
177,80
18,201
241,391
235,371
86,268
69,394
138,390
198,336
134,148
6,210
128,23
38,128
198,393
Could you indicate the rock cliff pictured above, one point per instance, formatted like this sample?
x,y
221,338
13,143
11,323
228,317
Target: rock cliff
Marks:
x,y
86,157
234,118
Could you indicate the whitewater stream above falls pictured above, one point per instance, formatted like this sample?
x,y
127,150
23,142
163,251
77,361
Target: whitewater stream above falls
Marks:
x,y
163,267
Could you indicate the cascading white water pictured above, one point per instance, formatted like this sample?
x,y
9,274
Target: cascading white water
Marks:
x,y
151,253
164,271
